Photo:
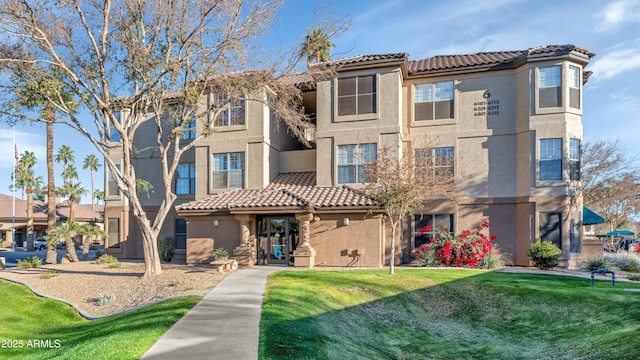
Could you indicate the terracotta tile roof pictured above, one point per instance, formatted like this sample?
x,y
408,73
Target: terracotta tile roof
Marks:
x,y
363,59
291,190
301,80
496,59
82,212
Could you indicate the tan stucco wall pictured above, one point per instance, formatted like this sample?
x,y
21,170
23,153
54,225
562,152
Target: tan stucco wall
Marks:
x,y
336,243
203,237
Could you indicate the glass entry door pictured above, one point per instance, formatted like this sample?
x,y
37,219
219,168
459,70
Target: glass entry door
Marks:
x,y
278,237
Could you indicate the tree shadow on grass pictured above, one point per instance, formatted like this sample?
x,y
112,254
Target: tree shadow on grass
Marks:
x,y
417,314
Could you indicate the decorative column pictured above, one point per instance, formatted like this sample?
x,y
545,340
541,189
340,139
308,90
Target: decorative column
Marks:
x,y
304,255
243,251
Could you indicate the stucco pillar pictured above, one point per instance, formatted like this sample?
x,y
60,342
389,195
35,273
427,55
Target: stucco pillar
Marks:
x,y
304,255
243,251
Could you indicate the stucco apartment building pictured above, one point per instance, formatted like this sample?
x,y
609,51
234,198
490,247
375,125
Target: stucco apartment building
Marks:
x,y
508,124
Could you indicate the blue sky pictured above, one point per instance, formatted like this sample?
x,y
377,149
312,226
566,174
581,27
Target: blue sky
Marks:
x,y
425,28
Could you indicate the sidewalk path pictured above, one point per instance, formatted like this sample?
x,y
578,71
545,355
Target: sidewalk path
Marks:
x,y
224,325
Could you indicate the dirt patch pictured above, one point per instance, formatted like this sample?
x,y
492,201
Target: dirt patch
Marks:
x,y
100,290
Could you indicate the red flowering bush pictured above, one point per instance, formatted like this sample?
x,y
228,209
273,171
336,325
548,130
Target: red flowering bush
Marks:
x,y
469,249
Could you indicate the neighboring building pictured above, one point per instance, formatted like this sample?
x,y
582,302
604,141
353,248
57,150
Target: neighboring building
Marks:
x,y
508,124
10,219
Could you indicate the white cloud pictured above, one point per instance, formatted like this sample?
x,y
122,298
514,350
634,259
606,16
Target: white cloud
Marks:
x,y
614,63
25,140
618,13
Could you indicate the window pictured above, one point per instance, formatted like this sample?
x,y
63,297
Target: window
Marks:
x,y
181,234
433,101
439,161
186,181
189,129
427,226
357,95
232,112
112,187
228,170
351,160
574,159
575,239
550,227
113,230
550,86
574,87
550,159
114,135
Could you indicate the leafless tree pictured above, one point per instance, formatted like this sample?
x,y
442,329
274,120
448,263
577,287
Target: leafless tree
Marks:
x,y
611,182
126,61
400,183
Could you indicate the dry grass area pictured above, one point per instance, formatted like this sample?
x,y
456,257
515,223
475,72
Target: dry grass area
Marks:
x,y
84,283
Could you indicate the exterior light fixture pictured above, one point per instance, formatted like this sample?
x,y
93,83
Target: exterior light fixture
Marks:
x,y
345,221
216,223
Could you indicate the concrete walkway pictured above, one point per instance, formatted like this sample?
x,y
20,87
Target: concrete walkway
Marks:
x,y
224,325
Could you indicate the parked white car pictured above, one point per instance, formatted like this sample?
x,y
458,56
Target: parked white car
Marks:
x,y
41,244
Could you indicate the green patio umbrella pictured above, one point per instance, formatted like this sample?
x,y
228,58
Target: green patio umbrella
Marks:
x,y
620,233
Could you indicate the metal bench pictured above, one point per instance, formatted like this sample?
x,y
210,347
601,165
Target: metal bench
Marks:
x,y
222,265
604,272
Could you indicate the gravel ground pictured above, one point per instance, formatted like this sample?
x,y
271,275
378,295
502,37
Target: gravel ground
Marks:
x,y
84,282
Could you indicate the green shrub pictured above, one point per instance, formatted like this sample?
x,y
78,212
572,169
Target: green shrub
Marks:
x,y
166,247
106,259
631,266
428,257
634,277
29,263
220,254
597,263
105,298
493,259
49,274
544,254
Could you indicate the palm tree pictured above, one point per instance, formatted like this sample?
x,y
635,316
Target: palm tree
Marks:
x,y
89,232
99,196
31,184
42,90
65,156
65,232
92,163
316,46
74,191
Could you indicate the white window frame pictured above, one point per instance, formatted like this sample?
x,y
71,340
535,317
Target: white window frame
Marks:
x,y
229,107
352,158
439,158
550,77
227,172
546,154
433,93
575,155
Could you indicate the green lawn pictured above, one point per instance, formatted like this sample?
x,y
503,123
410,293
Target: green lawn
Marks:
x,y
446,314
48,328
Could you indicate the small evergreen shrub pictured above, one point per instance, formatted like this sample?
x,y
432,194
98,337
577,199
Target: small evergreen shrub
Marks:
x,y
597,263
166,247
105,298
106,259
634,277
545,255
631,266
29,263
49,274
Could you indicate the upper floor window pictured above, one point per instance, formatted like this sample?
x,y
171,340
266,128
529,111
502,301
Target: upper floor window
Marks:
x,y
112,187
433,101
232,113
550,86
438,161
188,130
186,179
357,95
351,161
114,135
574,87
574,159
550,159
228,170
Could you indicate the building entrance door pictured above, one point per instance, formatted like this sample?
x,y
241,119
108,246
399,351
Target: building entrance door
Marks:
x,y
278,237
